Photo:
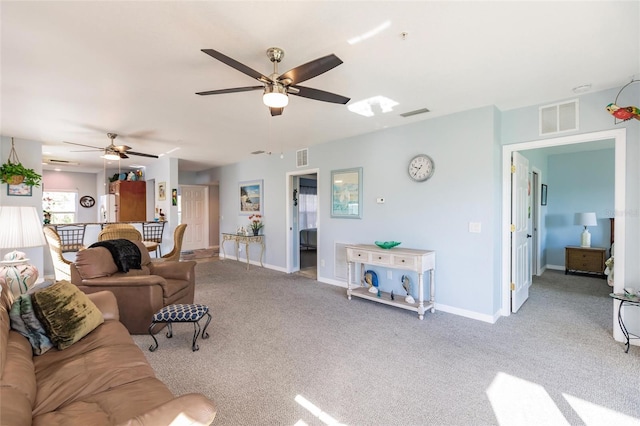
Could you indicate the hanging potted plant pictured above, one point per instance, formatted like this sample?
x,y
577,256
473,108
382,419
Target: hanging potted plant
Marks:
x,y
14,173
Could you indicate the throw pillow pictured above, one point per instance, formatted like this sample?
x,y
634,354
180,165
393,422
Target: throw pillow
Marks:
x,y
66,313
25,322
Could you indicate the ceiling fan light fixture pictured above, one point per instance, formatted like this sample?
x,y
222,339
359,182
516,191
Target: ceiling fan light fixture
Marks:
x,y
275,96
110,155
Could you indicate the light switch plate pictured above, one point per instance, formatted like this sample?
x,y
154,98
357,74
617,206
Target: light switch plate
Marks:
x,y
475,227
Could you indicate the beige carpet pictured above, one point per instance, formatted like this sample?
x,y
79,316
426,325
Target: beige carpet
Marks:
x,y
280,339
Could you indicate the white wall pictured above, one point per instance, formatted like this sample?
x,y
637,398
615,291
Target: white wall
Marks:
x,y
30,155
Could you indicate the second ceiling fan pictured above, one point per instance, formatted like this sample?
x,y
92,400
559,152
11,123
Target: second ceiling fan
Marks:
x,y
277,87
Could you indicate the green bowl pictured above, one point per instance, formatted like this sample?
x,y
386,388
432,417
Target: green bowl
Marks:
x,y
387,244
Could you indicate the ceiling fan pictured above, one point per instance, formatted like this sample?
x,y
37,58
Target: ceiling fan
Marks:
x,y
277,87
113,151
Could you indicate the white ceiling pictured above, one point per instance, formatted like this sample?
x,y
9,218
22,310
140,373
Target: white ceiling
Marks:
x,y
73,71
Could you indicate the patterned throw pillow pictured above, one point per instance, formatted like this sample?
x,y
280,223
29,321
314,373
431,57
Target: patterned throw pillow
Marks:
x,y
66,313
25,322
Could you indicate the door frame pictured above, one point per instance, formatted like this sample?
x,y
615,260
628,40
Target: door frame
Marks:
x,y
536,254
290,240
620,138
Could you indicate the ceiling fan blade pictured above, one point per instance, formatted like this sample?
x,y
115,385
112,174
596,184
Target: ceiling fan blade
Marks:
x,y
320,95
233,90
311,69
276,111
81,144
142,154
237,65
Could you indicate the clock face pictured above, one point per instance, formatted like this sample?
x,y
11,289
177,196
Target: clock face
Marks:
x,y
421,168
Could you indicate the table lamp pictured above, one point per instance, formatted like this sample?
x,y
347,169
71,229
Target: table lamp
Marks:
x,y
585,219
21,227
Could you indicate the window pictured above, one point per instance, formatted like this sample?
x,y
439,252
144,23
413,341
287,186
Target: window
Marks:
x,y
61,205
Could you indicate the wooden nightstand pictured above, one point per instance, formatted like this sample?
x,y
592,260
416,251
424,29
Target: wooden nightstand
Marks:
x,y
586,260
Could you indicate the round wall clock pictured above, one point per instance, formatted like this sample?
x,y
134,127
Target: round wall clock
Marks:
x,y
421,167
87,201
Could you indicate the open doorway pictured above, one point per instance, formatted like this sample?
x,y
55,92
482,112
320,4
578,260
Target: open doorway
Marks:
x,y
303,212
619,136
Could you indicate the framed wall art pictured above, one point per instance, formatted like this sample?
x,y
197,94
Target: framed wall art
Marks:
x,y
346,193
250,197
20,190
162,191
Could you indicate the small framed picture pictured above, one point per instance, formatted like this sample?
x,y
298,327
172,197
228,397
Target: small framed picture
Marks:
x,y
543,195
346,193
250,197
20,190
162,191
174,197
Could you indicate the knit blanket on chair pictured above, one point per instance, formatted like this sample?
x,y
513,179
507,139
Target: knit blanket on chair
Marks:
x,y
126,255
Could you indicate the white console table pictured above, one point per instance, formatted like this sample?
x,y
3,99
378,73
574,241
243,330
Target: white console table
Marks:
x,y
246,240
414,260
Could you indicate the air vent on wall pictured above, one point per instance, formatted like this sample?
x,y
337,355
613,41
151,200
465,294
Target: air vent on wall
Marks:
x,y
302,157
414,112
558,118
340,261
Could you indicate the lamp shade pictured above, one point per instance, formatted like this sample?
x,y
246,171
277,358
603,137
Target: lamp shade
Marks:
x,y
585,219
275,96
21,227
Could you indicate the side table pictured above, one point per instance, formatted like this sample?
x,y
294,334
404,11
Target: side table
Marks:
x,y
246,240
630,300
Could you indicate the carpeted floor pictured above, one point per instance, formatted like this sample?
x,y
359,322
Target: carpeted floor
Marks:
x,y
276,338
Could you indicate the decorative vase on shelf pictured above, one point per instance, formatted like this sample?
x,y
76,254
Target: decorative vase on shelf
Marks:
x,y
256,231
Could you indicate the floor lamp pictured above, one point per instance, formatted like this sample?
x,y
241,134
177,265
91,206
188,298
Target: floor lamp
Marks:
x,y
21,228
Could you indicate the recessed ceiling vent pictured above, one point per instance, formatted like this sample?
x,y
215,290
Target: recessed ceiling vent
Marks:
x,y
302,157
55,162
414,112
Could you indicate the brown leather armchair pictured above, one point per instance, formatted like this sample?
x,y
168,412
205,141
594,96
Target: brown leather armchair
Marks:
x,y
140,292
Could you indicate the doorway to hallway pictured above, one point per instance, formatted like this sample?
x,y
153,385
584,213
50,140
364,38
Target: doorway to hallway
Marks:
x,y
302,222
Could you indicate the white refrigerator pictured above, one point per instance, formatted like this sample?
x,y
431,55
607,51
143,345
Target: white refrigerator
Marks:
x,y
107,209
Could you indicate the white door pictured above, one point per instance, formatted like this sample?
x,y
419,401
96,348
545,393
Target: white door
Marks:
x,y
520,235
195,215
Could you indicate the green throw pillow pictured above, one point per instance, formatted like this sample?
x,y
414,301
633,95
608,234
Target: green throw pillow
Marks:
x,y
66,313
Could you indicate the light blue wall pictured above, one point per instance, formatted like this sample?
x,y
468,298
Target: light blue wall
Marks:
x,y
430,215
521,125
579,182
466,187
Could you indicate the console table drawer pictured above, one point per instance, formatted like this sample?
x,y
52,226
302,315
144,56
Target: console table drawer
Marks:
x,y
358,255
405,262
380,259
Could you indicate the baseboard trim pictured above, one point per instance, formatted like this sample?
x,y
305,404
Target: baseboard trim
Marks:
x,y
555,267
491,319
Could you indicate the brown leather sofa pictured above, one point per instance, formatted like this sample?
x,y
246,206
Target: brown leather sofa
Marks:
x,y
140,292
103,379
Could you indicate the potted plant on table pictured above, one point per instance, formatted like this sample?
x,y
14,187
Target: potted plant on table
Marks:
x,y
256,223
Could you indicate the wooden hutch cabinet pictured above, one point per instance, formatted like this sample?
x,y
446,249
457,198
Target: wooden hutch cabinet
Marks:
x,y
130,200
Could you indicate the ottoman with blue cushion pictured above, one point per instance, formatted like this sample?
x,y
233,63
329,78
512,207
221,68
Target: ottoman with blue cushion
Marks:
x,y
191,312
